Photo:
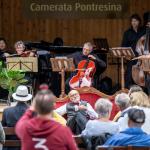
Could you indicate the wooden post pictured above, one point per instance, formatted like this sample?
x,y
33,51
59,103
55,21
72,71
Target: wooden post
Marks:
x,y
62,84
122,74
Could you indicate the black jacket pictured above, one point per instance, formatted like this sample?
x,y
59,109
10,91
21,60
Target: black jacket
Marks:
x,y
12,115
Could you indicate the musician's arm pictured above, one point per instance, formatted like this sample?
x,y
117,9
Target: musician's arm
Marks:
x,y
100,62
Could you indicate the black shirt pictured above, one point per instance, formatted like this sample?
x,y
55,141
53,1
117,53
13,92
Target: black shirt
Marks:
x,y
78,56
131,37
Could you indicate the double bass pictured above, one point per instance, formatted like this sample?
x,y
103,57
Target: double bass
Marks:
x,y
86,70
143,48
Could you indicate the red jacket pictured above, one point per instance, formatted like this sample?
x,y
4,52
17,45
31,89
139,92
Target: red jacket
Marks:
x,y
40,134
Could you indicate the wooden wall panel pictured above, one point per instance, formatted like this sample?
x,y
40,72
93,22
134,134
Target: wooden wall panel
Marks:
x,y
14,26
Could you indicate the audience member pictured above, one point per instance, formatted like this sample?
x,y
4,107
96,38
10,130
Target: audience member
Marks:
x,y
41,132
11,115
55,115
2,134
78,112
102,125
122,101
134,88
137,100
133,135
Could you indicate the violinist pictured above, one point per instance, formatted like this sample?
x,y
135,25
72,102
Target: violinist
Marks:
x,y
21,50
130,38
87,54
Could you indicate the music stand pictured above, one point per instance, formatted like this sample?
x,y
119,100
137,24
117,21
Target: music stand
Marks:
x,y
62,65
27,64
101,44
122,52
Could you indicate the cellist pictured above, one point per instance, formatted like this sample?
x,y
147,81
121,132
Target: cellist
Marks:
x,y
87,54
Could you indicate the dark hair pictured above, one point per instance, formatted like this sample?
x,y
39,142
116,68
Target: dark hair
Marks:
x,y
146,17
137,17
3,39
58,41
44,102
136,115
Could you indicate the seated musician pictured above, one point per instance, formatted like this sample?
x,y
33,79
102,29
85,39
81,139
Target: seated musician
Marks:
x,y
21,50
87,54
78,112
3,49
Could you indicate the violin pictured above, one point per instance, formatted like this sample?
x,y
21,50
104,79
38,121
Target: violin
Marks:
x,y
86,70
28,54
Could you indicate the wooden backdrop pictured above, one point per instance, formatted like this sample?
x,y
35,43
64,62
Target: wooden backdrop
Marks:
x,y
14,26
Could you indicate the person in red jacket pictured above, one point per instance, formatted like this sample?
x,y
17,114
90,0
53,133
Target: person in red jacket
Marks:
x,y
42,132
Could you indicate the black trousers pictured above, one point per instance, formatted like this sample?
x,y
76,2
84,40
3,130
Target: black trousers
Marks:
x,y
77,123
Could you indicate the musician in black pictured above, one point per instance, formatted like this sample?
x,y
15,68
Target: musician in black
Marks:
x,y
87,53
3,49
130,38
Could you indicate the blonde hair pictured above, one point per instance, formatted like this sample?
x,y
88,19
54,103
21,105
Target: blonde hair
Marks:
x,y
139,99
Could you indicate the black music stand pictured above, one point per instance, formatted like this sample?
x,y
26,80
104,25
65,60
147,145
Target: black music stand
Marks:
x,y
101,44
123,52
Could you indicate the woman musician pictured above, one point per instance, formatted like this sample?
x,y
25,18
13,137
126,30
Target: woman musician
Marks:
x,y
21,50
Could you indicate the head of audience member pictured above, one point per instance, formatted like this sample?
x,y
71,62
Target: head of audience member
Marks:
x,y
22,94
74,96
19,47
87,48
43,103
43,86
139,99
136,117
122,101
103,108
135,21
134,88
3,44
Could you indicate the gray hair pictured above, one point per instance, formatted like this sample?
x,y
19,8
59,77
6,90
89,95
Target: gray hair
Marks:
x,y
103,107
19,43
122,100
89,44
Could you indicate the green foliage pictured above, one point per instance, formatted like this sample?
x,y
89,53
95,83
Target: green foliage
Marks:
x,y
11,79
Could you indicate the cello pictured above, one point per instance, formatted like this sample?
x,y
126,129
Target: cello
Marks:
x,y
142,48
86,70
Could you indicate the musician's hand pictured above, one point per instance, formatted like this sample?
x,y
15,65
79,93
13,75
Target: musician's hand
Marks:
x,y
92,57
82,107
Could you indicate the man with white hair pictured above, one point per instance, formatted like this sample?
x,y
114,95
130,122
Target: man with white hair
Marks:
x,y
122,101
78,112
101,125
